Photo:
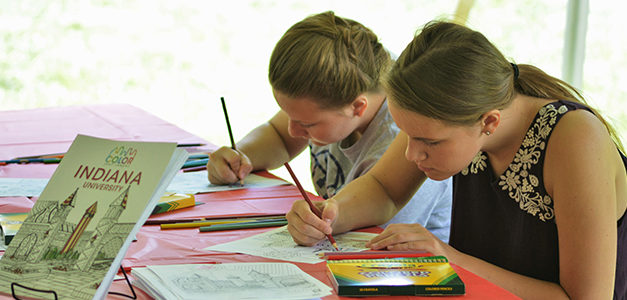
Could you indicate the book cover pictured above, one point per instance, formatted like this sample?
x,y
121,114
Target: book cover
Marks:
x,y
74,238
173,201
419,276
10,223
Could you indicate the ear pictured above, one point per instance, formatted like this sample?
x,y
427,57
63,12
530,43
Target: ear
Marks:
x,y
359,105
490,121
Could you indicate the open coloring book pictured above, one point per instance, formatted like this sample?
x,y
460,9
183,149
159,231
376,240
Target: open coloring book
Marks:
x,y
278,244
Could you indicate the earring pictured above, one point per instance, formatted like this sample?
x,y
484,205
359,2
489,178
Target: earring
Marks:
x,y
487,133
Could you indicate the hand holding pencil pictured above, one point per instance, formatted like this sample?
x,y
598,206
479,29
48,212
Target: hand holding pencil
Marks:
x,y
312,207
228,165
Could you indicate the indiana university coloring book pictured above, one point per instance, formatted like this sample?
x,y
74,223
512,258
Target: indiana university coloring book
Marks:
x,y
75,236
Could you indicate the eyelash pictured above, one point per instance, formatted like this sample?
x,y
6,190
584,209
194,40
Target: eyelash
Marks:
x,y
428,143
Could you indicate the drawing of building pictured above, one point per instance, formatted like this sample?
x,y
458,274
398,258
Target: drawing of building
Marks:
x,y
49,237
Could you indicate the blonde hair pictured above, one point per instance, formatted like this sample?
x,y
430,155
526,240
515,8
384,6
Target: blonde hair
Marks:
x,y
328,58
454,74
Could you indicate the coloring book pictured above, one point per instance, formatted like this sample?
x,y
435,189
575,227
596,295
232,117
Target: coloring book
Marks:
x,y
74,238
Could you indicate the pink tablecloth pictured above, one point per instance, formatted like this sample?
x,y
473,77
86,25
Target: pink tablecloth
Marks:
x,y
51,130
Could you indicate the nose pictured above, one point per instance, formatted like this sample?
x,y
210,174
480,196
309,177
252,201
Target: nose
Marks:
x,y
295,130
415,152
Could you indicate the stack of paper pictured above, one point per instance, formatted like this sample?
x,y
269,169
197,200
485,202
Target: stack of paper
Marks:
x,y
229,281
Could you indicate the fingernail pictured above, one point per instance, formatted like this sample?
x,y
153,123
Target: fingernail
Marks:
x,y
328,221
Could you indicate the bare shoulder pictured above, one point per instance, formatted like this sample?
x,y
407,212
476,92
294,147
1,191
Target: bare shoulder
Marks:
x,y
578,133
580,147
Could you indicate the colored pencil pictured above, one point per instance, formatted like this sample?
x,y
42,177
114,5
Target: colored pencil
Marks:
x,y
170,221
31,160
244,225
50,155
228,127
311,205
191,145
228,124
61,154
198,156
195,163
371,254
215,222
195,169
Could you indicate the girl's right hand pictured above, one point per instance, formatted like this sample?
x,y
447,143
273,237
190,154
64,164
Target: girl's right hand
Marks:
x,y
227,166
306,228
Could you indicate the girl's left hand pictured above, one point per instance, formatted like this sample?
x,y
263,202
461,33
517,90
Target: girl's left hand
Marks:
x,y
414,237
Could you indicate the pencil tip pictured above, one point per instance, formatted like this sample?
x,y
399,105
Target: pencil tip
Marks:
x,y
335,246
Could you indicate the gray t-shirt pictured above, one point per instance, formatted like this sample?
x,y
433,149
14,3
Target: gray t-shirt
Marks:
x,y
332,166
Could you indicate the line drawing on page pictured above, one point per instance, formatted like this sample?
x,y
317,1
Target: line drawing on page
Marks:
x,y
234,281
278,244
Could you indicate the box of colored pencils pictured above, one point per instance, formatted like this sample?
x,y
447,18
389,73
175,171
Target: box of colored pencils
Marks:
x,y
170,202
414,276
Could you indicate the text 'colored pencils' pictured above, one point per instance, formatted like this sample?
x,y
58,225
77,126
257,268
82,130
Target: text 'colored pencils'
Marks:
x,y
311,205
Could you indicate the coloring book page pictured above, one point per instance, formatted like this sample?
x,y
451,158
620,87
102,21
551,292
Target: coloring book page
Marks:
x,y
196,182
278,244
230,281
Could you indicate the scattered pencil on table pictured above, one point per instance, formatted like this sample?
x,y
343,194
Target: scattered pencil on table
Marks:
x,y
49,155
61,154
189,220
53,160
198,156
191,145
244,225
195,163
195,169
311,205
196,224
228,127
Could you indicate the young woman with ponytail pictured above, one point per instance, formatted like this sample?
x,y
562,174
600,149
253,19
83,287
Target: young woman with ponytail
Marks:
x,y
539,177
326,73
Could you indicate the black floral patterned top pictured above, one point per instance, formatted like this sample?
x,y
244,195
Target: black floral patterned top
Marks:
x,y
512,223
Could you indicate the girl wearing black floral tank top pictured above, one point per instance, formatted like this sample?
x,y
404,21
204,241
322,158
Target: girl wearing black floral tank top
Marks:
x,y
540,181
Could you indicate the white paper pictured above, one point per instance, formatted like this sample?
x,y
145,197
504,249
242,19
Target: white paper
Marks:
x,y
27,187
278,244
197,182
229,281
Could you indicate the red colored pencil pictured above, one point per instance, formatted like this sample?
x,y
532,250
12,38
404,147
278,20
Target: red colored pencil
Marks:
x,y
372,254
194,169
311,205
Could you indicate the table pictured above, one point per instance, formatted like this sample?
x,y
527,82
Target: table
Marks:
x,y
51,130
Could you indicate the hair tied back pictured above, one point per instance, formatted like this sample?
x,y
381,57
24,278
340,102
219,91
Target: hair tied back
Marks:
x,y
515,66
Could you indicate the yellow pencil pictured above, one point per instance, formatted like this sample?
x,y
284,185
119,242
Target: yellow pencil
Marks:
x,y
214,222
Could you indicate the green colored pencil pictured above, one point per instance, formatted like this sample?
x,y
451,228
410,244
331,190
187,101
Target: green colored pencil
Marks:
x,y
245,225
